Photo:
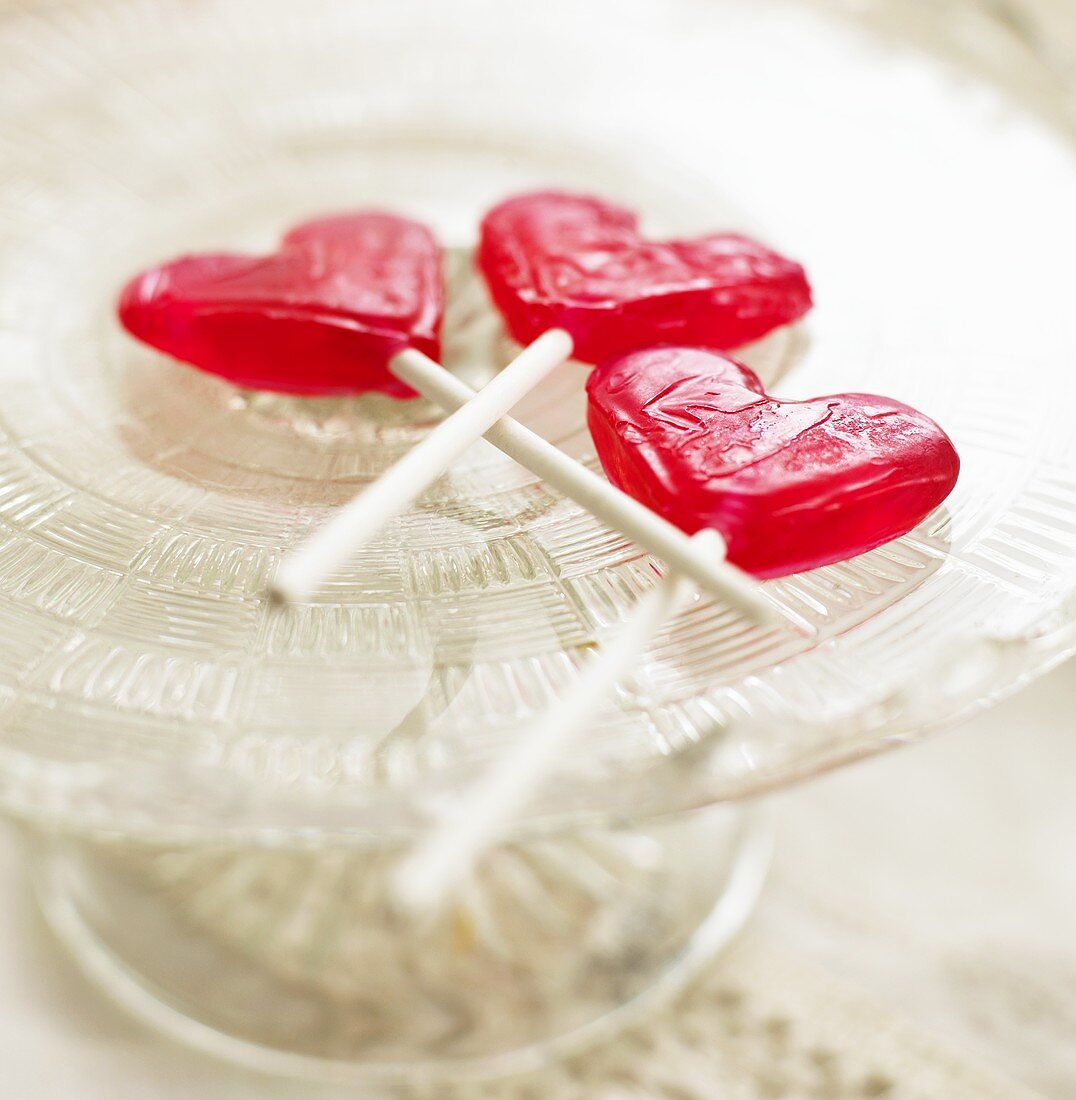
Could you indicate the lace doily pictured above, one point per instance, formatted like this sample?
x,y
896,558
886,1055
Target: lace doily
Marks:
x,y
762,1026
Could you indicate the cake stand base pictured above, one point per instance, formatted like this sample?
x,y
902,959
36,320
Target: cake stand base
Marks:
x,y
290,962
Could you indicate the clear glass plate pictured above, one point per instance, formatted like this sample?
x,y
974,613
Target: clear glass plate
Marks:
x,y
147,687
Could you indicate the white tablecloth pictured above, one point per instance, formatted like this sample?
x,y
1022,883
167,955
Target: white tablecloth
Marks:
x,y
915,943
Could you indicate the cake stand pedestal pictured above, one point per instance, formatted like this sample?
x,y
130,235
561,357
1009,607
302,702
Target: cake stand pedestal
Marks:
x,y
290,961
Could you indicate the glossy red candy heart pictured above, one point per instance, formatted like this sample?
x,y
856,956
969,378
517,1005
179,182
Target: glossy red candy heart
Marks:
x,y
570,261
791,485
322,315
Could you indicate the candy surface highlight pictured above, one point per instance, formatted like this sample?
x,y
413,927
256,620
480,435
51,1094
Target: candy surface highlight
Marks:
x,y
553,259
324,314
791,485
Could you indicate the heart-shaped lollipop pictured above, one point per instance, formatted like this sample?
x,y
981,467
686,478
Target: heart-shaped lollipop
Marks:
x,y
578,263
322,315
791,485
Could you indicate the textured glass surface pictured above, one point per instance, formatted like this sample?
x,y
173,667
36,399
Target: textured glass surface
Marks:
x,y
146,684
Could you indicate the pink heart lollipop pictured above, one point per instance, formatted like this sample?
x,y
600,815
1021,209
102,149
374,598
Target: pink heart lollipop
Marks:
x,y
322,315
578,263
791,485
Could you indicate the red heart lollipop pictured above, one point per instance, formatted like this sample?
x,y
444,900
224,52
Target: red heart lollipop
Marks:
x,y
791,485
573,262
322,315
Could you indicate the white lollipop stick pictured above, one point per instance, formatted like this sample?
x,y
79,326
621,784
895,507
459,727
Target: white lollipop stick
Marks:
x,y
300,573
426,879
700,561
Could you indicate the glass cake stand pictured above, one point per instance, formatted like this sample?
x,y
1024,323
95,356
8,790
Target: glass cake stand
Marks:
x,y
215,790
